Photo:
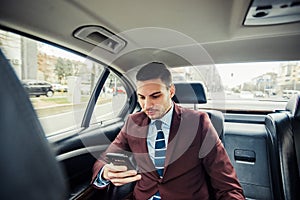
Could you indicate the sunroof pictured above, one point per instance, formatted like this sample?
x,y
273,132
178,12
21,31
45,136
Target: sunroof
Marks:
x,y
270,12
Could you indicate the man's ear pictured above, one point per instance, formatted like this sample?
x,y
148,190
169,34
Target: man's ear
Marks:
x,y
172,90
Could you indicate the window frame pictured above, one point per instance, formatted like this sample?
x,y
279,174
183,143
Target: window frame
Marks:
x,y
128,108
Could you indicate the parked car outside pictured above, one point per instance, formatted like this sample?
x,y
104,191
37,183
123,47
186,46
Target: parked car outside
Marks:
x,y
289,93
64,88
59,87
119,90
259,94
38,88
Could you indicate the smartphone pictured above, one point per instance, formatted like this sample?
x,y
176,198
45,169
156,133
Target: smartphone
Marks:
x,y
120,159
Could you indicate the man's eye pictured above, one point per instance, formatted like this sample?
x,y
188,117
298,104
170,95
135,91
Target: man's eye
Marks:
x,y
155,97
142,98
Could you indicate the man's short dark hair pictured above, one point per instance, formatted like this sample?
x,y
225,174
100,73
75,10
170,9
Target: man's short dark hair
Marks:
x,y
155,70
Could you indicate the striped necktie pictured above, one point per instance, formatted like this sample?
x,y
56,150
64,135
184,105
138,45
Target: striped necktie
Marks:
x,y
160,154
160,149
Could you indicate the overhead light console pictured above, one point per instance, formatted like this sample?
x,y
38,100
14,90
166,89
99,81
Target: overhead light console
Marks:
x,y
271,12
100,37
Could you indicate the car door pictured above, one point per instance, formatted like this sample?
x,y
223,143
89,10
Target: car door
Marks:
x,y
101,121
100,124
35,88
80,123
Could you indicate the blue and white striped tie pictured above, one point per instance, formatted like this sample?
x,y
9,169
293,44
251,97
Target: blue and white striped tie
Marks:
x,y
160,149
160,153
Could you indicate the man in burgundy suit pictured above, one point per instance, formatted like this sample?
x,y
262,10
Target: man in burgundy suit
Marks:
x,y
195,159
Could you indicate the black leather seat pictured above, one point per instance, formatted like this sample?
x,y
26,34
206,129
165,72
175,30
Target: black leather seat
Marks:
x,y
28,167
194,93
283,128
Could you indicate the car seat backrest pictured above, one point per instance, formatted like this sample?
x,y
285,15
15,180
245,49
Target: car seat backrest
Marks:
x,y
293,107
194,93
283,128
28,167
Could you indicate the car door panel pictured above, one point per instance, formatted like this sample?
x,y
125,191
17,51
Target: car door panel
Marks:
x,y
78,153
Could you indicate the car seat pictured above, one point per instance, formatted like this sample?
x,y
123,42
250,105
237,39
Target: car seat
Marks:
x,y
28,167
284,130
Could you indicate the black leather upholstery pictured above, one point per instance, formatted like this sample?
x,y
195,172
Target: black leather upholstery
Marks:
x,y
194,93
28,168
284,167
293,106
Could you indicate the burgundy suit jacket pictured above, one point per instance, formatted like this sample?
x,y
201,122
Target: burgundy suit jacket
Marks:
x,y
194,155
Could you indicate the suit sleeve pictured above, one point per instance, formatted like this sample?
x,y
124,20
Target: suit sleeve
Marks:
x,y
217,164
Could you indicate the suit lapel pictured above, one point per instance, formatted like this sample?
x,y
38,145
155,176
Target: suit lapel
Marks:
x,y
142,122
176,119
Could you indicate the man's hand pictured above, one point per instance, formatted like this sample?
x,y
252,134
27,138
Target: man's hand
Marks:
x,y
119,175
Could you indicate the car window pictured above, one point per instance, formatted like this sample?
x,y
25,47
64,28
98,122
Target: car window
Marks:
x,y
112,99
60,83
256,86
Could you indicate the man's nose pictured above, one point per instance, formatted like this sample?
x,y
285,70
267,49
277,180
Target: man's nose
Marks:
x,y
148,103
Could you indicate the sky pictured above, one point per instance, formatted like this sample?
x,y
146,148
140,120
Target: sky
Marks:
x,y
235,74
54,51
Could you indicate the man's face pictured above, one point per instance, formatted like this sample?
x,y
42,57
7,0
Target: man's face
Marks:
x,y
155,97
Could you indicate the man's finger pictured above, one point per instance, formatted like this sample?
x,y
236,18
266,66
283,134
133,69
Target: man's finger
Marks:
x,y
121,174
122,181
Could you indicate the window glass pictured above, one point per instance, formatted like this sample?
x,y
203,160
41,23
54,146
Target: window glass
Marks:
x,y
60,83
113,98
258,86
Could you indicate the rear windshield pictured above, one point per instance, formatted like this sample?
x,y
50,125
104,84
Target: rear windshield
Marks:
x,y
254,87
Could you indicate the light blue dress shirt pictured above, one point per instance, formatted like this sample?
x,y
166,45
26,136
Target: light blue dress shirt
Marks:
x,y
166,125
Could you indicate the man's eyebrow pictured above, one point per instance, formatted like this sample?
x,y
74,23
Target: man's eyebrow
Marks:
x,y
154,93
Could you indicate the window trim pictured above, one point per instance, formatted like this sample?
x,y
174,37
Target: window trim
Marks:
x,y
93,98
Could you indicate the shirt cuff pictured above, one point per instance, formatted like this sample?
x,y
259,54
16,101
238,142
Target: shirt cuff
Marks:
x,y
99,181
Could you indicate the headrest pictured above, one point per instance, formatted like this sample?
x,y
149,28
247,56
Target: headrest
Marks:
x,y
293,106
189,92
